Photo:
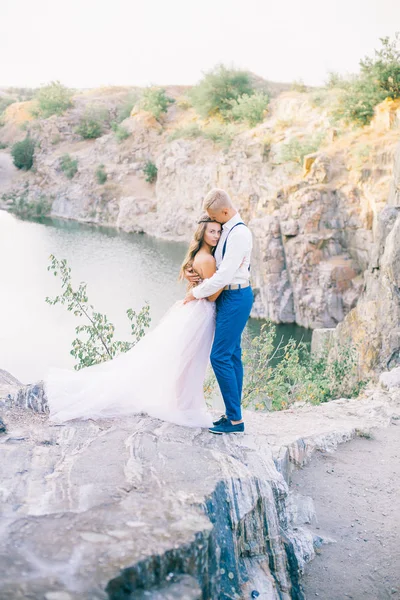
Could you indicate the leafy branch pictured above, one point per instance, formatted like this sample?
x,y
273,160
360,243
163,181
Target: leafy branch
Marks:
x,y
97,344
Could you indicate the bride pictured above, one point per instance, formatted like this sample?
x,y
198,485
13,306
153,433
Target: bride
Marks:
x,y
163,374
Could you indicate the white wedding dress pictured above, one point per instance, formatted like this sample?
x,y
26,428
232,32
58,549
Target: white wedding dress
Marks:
x,y
162,375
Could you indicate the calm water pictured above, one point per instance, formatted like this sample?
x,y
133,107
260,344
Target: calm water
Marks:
x,y
121,271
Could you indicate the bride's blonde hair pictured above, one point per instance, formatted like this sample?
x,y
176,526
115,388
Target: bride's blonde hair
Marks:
x,y
195,244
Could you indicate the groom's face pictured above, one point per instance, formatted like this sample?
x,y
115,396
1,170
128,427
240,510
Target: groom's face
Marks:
x,y
221,215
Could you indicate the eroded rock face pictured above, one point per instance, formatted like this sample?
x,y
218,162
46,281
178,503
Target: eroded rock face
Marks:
x,y
116,508
374,324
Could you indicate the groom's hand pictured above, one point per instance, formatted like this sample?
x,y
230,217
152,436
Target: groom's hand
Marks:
x,y
188,298
192,276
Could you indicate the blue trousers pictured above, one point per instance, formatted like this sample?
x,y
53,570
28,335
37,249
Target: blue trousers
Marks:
x,y
233,311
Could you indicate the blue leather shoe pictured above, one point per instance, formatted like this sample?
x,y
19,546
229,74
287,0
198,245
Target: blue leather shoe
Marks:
x,y
227,427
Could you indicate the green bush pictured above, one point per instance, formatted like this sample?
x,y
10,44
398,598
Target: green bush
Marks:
x,y
21,206
220,133
379,78
384,68
101,175
213,95
120,132
23,153
191,131
155,101
53,99
150,170
277,375
3,145
357,102
250,109
295,150
69,165
90,126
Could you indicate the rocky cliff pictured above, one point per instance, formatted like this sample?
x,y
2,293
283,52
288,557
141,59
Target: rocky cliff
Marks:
x,y
374,323
139,508
314,228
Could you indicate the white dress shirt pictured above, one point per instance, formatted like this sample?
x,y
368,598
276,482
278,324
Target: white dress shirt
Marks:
x,y
234,267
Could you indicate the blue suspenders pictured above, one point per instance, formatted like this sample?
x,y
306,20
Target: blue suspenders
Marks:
x,y
226,239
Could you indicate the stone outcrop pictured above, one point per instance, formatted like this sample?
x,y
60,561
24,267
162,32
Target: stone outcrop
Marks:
x,y
139,508
374,323
314,230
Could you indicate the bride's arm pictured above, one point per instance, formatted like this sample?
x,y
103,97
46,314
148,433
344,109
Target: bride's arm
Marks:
x,y
205,265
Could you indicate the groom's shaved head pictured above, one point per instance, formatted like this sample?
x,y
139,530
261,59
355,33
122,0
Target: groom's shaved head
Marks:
x,y
217,199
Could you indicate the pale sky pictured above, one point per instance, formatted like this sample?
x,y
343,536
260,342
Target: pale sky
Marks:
x,y
88,43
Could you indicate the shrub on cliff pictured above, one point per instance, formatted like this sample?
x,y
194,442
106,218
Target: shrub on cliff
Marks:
x,y
150,170
277,375
91,125
23,153
101,174
95,341
120,132
155,101
249,109
69,165
295,150
221,133
52,99
21,206
218,88
379,78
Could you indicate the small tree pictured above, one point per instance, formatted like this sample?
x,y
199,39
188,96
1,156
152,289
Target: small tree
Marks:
x,y
23,153
213,95
384,68
155,101
53,99
95,341
379,78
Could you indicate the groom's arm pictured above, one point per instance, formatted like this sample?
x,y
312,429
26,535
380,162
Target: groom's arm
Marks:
x,y
238,245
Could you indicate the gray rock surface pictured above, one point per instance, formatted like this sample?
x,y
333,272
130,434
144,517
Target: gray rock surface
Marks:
x,y
114,508
374,324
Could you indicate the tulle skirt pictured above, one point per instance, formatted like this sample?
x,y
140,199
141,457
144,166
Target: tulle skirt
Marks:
x,y
162,375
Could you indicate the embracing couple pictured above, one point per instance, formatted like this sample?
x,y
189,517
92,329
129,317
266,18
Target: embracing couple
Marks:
x,y
163,374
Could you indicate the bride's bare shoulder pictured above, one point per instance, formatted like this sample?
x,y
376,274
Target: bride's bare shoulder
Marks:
x,y
204,259
204,263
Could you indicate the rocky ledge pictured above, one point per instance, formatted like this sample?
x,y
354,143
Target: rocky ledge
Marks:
x,y
139,508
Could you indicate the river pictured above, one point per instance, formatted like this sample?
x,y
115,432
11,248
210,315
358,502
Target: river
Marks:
x,y
121,271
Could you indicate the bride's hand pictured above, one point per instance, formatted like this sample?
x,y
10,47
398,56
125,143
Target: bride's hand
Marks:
x,y
188,298
192,276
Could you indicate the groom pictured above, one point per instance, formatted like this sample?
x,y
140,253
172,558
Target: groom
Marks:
x,y
234,304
